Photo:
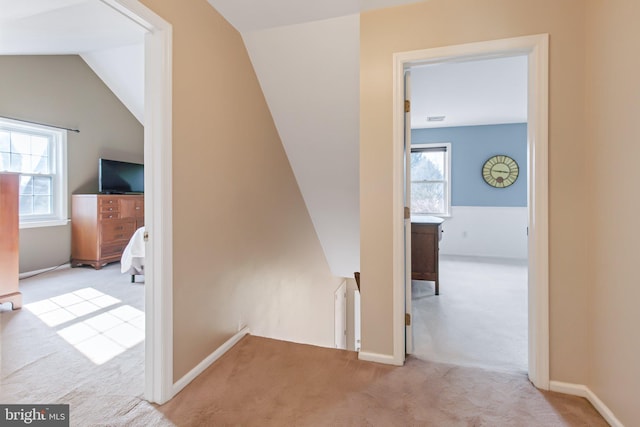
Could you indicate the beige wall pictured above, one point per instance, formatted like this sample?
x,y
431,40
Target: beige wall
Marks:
x,y
245,250
62,90
448,22
613,100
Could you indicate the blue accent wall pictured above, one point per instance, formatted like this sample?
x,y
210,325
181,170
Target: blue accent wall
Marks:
x,y
471,146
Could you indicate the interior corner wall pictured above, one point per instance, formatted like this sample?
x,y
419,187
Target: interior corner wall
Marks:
x,y
245,252
438,23
613,109
62,90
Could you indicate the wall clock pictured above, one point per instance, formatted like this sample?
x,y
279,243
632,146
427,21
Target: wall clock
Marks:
x,y
500,171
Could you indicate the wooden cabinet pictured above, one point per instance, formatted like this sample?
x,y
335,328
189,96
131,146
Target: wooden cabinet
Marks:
x,y
9,243
101,226
426,233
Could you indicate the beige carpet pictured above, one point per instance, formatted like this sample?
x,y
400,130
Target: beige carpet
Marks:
x,y
260,382
266,382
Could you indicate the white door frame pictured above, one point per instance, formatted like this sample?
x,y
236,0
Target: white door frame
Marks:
x,y
536,47
158,366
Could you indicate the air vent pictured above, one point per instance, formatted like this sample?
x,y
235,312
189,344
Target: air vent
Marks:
x,y
435,118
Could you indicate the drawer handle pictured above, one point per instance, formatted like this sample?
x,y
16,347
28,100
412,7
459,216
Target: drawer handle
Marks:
x,y
120,228
119,236
110,209
110,216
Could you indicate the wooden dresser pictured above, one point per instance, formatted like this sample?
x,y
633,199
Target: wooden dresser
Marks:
x,y
426,233
9,242
101,226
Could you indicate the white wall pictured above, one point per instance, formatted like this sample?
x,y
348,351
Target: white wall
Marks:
x,y
309,76
485,231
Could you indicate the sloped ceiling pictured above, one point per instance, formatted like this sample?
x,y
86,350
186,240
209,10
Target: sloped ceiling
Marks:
x,y
111,44
309,74
252,15
306,57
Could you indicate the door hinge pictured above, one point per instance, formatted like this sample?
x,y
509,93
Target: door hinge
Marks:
x,y
407,319
145,236
407,106
407,213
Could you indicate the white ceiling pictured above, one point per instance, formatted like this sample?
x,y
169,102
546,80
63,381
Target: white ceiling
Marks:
x,y
251,15
54,27
468,93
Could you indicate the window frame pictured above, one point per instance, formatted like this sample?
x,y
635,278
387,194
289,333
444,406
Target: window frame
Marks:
x,y
447,173
58,164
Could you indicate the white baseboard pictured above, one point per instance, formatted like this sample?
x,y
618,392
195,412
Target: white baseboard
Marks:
x,y
584,391
192,374
378,358
43,270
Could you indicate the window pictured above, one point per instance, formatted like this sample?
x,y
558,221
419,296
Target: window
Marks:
x,y
431,179
38,154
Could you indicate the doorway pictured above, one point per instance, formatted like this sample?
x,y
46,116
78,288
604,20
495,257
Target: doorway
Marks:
x,y
536,50
464,115
157,154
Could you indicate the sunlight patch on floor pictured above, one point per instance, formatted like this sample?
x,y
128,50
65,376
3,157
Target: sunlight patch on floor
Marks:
x,y
101,337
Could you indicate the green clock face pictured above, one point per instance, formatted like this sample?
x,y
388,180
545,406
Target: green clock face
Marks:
x,y
500,171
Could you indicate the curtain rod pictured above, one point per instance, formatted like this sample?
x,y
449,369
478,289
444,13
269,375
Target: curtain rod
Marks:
x,y
42,124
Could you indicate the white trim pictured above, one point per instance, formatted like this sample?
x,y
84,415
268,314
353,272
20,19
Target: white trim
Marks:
x,y
158,198
536,47
200,367
386,359
447,172
44,223
538,202
28,274
59,174
340,316
584,391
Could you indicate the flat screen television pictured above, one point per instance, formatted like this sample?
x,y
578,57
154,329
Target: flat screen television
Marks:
x,y
115,177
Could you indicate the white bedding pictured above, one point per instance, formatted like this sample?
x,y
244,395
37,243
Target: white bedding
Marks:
x,y
132,261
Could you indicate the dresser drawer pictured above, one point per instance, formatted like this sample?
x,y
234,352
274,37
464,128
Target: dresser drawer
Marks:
x,y
139,208
110,215
109,208
112,250
108,201
112,231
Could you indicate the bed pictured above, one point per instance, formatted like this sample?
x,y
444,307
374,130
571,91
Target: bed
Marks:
x,y
132,261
